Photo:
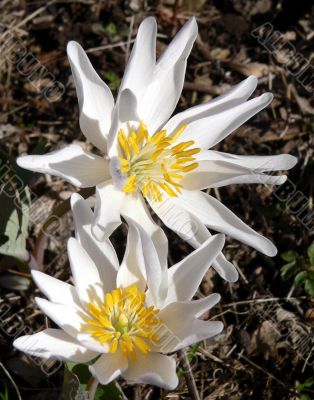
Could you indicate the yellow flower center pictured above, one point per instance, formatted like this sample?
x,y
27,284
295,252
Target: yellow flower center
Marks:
x,y
124,321
154,163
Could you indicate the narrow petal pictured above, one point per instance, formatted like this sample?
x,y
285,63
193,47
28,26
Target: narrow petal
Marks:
x,y
279,162
192,230
153,369
67,318
225,268
94,97
108,367
219,218
211,174
151,269
134,207
237,95
102,253
107,210
162,95
208,131
198,331
185,277
86,276
79,167
133,270
139,70
175,328
55,344
55,290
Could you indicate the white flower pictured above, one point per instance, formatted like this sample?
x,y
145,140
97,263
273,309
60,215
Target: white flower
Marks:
x,y
127,316
165,161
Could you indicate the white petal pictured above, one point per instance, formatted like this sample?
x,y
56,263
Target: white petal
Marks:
x,y
56,344
225,268
134,207
79,167
124,112
56,290
180,220
68,318
107,210
108,367
219,218
237,95
155,273
180,323
153,369
192,230
85,273
185,277
209,131
211,174
139,70
198,331
102,253
132,270
94,97
255,163
162,95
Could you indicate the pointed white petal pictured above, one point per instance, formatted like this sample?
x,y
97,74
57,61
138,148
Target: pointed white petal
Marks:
x,y
179,316
211,174
79,167
225,268
255,163
192,230
56,290
107,210
108,367
68,318
198,331
56,344
237,95
102,253
134,207
153,369
139,70
133,270
208,131
86,277
185,277
155,273
219,218
162,95
94,97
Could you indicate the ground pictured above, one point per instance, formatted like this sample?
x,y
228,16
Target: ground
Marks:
x,y
267,348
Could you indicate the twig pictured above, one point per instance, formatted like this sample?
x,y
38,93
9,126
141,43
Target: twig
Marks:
x,y
91,388
189,378
12,381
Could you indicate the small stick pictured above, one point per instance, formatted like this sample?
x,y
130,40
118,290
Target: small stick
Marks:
x,y
189,378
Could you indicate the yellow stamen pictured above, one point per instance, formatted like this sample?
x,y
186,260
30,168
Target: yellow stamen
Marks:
x,y
123,321
155,164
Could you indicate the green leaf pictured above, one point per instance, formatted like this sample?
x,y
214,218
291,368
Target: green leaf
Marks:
x,y
71,388
305,397
112,79
309,287
14,215
76,380
289,256
288,270
310,252
300,278
108,392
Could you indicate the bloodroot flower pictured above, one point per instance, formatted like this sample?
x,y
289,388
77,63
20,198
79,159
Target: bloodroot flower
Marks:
x,y
149,158
124,318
